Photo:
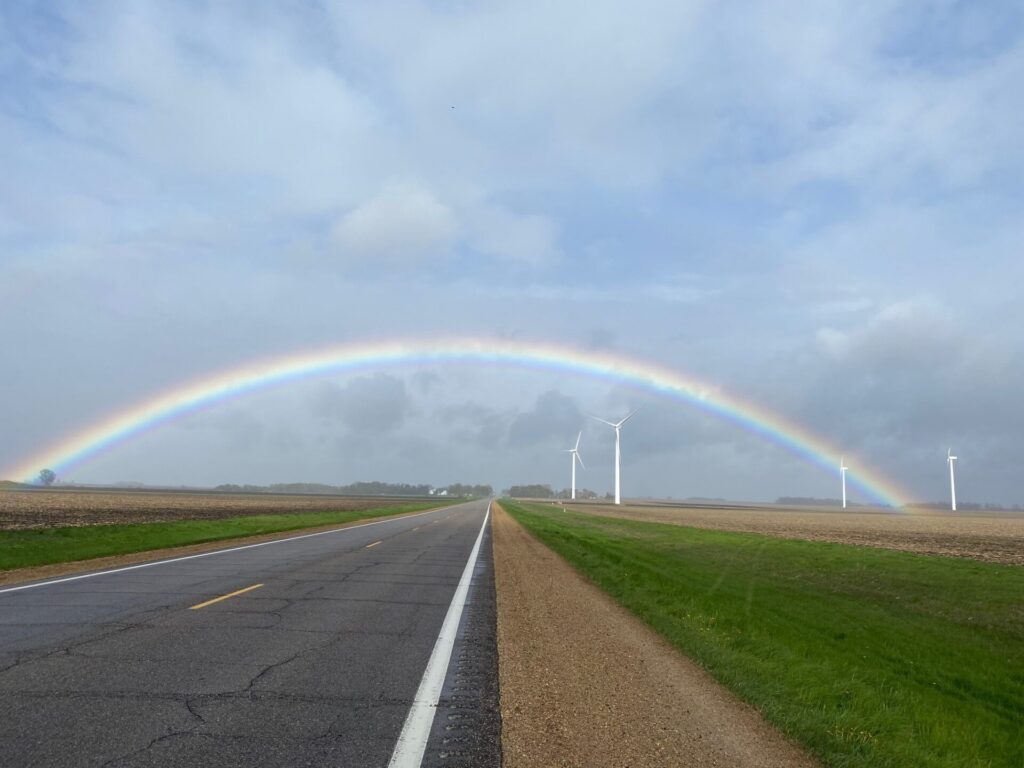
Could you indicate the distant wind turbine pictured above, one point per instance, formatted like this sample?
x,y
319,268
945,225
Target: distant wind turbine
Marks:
x,y
617,426
842,474
573,458
950,458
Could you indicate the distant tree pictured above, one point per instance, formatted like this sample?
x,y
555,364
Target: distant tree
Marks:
x,y
465,491
581,493
47,477
531,491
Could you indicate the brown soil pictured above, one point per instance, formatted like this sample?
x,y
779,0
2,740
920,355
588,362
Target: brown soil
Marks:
x,y
996,537
56,570
586,683
55,508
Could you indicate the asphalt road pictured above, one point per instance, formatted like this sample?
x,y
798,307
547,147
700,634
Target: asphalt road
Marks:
x,y
319,666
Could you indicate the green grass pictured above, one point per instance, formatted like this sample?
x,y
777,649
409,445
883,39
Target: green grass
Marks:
x,y
19,549
868,657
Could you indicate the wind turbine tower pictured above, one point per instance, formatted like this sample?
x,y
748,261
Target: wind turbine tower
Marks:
x,y
950,458
617,426
573,458
842,474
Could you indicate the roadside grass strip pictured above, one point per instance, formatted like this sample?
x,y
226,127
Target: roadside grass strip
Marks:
x,y
44,546
868,657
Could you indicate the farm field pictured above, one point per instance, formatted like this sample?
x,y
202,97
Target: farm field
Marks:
x,y
67,508
44,528
865,656
996,537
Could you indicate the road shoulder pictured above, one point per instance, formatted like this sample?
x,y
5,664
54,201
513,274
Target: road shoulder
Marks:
x,y
584,682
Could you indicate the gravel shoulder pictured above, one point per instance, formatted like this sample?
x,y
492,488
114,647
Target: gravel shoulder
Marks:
x,y
586,683
996,537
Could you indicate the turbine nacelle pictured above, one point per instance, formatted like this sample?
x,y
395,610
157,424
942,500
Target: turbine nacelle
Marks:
x,y
576,455
575,450
616,425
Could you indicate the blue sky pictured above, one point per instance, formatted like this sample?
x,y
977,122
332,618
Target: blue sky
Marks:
x,y
818,208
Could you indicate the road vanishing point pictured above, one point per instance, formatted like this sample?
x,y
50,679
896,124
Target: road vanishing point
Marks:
x,y
372,645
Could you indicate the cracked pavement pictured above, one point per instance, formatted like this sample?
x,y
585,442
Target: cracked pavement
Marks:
x,y
317,667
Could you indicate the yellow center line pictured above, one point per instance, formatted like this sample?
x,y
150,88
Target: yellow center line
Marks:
x,y
224,597
372,545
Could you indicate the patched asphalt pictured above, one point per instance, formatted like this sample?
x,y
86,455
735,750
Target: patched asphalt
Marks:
x,y
317,667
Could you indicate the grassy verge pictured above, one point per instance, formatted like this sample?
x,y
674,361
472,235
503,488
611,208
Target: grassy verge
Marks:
x,y
20,549
868,657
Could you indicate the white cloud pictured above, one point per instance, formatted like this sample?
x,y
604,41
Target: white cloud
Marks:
x,y
403,224
913,331
512,237
207,94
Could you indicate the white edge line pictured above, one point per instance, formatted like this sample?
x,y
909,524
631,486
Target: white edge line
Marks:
x,y
412,741
214,552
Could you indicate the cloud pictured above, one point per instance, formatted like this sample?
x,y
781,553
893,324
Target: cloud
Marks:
x,y
911,332
908,381
203,93
529,239
365,405
475,424
403,224
553,416
240,430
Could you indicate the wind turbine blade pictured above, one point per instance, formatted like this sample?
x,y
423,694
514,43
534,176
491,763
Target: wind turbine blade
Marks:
x,y
598,418
580,460
629,416
578,441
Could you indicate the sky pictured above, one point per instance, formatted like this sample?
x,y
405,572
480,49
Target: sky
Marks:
x,y
816,207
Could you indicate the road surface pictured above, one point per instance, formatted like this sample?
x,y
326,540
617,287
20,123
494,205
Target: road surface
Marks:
x,y
306,651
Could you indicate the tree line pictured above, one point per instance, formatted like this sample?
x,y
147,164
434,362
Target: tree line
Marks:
x,y
546,492
364,488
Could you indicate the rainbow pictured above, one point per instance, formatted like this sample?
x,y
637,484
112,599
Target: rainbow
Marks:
x,y
144,416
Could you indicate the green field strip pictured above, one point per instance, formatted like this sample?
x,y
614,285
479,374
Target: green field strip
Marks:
x,y
46,546
868,657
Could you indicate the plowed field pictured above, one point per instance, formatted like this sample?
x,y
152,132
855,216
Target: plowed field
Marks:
x,y
996,537
58,508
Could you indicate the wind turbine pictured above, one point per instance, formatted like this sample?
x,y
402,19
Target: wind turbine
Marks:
x,y
950,458
617,426
842,474
574,457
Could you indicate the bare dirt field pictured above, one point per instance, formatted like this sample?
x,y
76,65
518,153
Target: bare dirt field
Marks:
x,y
59,508
996,537
586,683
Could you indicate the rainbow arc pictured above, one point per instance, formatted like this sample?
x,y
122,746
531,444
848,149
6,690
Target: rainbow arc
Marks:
x,y
76,448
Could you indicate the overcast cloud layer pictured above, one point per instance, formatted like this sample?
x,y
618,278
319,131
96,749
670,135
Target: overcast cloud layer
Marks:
x,y
815,206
